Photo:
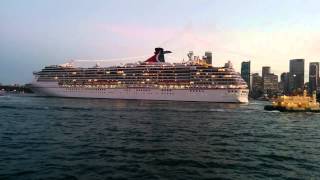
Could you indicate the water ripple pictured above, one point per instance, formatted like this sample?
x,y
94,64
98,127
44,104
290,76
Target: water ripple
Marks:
x,y
56,138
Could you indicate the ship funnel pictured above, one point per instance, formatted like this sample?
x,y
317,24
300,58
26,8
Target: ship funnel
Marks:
x,y
158,55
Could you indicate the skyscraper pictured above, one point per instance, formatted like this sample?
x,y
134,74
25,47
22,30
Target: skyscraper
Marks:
x,y
313,76
208,55
270,81
284,83
257,85
245,72
265,71
270,84
297,73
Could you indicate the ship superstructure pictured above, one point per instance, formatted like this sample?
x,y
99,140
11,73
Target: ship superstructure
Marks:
x,y
153,79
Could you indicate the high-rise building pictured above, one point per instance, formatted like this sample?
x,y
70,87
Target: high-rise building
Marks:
x,y
270,84
297,73
245,72
284,83
265,71
313,76
257,85
291,83
208,55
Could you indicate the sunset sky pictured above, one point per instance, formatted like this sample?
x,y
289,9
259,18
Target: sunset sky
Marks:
x,y
36,33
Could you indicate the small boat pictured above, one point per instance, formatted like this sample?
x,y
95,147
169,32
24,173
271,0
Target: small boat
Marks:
x,y
295,104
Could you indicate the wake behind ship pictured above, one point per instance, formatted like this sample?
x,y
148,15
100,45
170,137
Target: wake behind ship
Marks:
x,y
153,79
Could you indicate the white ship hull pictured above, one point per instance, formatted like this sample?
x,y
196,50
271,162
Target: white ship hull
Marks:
x,y
205,95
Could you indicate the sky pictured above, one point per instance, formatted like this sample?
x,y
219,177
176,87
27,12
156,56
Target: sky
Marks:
x,y
36,33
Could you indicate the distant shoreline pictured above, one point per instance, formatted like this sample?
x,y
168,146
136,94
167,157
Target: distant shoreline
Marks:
x,y
15,88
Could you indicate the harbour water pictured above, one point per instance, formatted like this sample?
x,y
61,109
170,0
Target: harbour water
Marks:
x,y
43,138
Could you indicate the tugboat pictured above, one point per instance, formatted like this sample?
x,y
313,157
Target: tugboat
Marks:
x,y
295,104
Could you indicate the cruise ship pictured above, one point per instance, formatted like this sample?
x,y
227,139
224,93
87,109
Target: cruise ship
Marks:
x,y
152,79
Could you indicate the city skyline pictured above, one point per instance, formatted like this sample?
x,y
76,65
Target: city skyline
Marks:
x,y
39,33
